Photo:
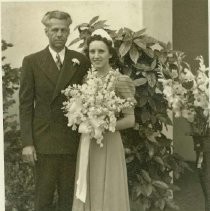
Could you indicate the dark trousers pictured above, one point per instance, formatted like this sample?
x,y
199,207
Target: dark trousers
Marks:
x,y
204,174
54,172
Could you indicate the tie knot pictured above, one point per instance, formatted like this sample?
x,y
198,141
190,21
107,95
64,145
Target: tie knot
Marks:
x,y
57,56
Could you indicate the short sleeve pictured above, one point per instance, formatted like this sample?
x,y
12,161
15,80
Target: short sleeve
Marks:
x,y
125,89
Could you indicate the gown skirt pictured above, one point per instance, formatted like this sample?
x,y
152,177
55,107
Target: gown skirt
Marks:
x,y
107,186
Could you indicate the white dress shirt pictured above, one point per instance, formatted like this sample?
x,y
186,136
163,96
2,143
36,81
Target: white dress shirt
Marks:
x,y
61,54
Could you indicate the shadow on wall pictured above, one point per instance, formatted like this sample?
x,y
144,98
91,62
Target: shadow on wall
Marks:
x,y
183,143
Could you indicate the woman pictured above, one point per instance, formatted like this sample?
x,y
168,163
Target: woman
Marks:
x,y
107,187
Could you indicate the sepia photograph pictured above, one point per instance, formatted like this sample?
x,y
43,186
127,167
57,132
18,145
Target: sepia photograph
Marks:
x,y
105,105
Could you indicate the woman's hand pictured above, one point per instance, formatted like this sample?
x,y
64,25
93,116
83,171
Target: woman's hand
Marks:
x,y
127,121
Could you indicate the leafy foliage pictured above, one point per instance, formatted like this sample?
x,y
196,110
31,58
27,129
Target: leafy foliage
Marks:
x,y
151,163
19,185
189,97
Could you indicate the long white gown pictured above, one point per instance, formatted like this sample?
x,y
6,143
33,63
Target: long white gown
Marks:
x,y
107,186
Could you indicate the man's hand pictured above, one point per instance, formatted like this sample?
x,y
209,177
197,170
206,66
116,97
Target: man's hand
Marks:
x,y
29,154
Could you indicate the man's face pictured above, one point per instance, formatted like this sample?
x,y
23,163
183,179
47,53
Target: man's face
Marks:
x,y
57,33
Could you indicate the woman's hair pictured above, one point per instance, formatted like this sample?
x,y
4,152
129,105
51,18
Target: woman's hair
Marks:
x,y
114,59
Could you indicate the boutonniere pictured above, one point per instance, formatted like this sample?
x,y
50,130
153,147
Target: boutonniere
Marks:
x,y
75,62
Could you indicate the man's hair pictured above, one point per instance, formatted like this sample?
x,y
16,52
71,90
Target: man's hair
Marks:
x,y
56,14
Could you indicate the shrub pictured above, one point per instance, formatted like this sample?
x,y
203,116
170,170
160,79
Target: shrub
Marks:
x,y
19,186
151,163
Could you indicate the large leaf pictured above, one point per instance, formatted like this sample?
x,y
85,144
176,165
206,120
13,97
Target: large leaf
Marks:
x,y
140,81
152,137
100,24
151,150
152,104
148,39
151,90
93,20
162,44
141,101
146,204
139,33
159,160
84,34
74,41
171,204
164,118
175,187
162,59
143,67
138,190
146,176
127,30
151,78
129,158
120,32
149,52
160,204
127,37
134,54
160,184
153,119
140,44
119,35
145,116
81,25
124,48
147,189
153,65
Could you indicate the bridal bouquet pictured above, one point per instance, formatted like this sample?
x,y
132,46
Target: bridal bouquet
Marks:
x,y
187,93
92,107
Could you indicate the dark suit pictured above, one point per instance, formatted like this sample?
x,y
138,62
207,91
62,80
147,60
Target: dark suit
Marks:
x,y
43,123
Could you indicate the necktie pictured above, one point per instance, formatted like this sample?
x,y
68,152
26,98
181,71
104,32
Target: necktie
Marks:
x,y
58,61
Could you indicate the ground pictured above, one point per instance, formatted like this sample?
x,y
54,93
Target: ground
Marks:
x,y
190,197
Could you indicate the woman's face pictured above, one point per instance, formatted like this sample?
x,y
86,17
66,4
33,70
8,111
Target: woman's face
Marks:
x,y
99,54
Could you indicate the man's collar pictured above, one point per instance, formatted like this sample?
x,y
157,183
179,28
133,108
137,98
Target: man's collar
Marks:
x,y
61,53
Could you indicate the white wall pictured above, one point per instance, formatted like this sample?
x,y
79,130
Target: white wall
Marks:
x,y
157,19
21,21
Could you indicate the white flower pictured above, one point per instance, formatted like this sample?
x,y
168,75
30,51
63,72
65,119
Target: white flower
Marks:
x,y
76,106
84,127
187,75
174,73
93,106
188,94
75,61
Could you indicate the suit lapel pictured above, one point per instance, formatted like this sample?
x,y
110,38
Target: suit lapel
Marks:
x,y
49,67
66,74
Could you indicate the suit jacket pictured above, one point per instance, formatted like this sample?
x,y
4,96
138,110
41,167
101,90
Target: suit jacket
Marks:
x,y
42,119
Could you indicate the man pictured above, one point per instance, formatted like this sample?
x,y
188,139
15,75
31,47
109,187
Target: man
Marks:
x,y
47,141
